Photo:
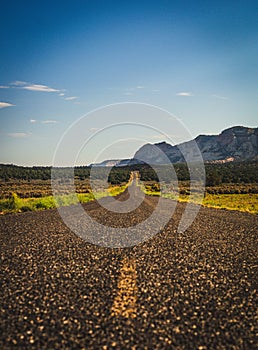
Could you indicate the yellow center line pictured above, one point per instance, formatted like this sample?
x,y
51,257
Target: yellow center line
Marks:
x,y
125,301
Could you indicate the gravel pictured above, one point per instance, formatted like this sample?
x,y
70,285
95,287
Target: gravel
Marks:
x,y
195,290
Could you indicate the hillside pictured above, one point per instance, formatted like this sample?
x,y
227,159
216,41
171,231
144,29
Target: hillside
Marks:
x,y
234,144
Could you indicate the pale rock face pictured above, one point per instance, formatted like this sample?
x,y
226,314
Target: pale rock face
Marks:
x,y
237,143
111,163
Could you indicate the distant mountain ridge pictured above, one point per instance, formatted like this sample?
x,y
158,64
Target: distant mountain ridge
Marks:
x,y
111,163
237,143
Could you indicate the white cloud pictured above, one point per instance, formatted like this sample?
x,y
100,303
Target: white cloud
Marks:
x,y
184,93
37,87
131,89
71,98
18,134
6,104
49,121
18,83
220,97
128,93
4,87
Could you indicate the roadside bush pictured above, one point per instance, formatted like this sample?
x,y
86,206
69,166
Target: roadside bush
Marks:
x,y
41,205
25,208
15,202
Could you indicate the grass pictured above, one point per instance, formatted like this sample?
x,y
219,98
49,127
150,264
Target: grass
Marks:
x,y
242,202
17,204
245,202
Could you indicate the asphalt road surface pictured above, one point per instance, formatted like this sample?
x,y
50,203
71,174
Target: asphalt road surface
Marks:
x,y
191,290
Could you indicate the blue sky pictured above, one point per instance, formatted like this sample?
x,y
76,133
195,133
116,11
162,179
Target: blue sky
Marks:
x,y
60,60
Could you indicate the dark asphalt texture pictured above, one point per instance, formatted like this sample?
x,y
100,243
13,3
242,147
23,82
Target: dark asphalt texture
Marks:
x,y
195,290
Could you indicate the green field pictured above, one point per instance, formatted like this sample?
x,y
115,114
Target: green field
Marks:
x,y
246,202
18,204
242,202
36,194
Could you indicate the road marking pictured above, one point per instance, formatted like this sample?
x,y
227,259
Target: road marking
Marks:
x,y
125,301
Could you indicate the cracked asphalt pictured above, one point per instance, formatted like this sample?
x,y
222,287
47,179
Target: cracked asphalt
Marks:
x,y
192,290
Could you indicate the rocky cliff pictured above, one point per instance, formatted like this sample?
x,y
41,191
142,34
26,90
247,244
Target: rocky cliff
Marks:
x,y
237,143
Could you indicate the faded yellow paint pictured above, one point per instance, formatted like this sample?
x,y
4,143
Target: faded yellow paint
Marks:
x,y
125,301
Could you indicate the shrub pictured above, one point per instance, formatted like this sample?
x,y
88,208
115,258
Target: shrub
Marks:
x,y
41,205
15,202
25,208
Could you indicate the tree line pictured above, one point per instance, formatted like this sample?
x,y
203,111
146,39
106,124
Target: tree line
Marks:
x,y
216,174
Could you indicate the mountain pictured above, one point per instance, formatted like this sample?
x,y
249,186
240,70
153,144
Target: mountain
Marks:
x,y
111,163
237,143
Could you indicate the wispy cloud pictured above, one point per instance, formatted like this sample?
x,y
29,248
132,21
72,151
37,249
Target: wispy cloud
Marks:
x,y
220,97
184,94
128,93
71,98
139,87
49,121
18,135
4,87
18,83
6,104
41,88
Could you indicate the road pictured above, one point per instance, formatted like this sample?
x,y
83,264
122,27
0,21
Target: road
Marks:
x,y
191,290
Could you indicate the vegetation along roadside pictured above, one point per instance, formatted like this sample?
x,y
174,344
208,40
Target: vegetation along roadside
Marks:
x,y
229,186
